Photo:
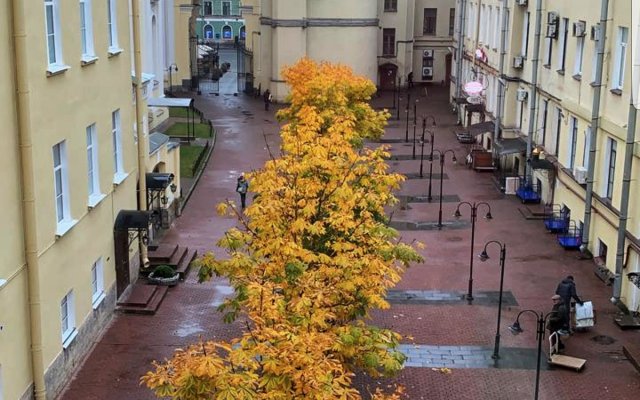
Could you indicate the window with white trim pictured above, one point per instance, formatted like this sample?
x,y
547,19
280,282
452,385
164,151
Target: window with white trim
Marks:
x,y
587,147
54,32
577,66
86,31
610,167
525,34
497,31
548,49
622,40
67,318
112,17
97,282
572,143
93,175
61,182
116,140
562,55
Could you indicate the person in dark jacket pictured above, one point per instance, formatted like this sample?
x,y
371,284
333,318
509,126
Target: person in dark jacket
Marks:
x,y
242,188
267,99
557,319
567,291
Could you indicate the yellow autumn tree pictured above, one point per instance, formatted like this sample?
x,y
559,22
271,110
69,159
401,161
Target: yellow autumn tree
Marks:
x,y
312,255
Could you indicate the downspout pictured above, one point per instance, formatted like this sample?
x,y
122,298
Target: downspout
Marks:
x,y
142,155
397,56
534,91
502,84
595,121
624,205
459,55
21,48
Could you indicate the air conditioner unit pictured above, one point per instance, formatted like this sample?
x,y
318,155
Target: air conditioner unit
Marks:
x,y
579,28
521,2
580,174
427,72
427,53
595,32
511,184
521,94
518,62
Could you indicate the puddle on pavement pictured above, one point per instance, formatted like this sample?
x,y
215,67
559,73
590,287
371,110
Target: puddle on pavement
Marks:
x,y
188,329
221,293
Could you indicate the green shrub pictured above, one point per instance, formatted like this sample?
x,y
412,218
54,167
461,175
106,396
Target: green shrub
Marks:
x,y
164,271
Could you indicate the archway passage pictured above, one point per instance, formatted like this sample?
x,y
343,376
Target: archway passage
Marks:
x,y
388,73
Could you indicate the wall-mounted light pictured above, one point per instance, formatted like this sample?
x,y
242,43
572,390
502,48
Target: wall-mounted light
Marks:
x,y
173,187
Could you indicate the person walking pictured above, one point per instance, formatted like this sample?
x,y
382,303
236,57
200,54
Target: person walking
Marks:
x,y
267,99
557,319
242,188
567,290
410,80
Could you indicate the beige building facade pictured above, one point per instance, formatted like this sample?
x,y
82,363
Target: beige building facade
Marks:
x,y
384,40
70,168
549,109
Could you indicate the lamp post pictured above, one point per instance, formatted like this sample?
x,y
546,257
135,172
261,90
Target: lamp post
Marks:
x,y
398,109
431,132
406,110
172,67
442,155
415,120
503,255
516,329
474,215
424,128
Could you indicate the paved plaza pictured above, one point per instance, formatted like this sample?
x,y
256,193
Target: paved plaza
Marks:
x,y
428,305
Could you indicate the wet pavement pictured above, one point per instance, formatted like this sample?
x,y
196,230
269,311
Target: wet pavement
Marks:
x,y
534,265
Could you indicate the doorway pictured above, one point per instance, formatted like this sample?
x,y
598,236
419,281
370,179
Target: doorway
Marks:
x,y
388,73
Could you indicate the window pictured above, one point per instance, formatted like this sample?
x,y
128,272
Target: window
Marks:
x,y
483,24
227,33
470,21
97,283
116,137
602,250
112,17
545,109
548,50
572,143
390,5
587,147
557,130
452,21
93,176
562,56
430,15
67,319
86,30
54,43
621,58
525,34
388,41
577,67
610,166
208,32
61,182
497,30
226,8
208,8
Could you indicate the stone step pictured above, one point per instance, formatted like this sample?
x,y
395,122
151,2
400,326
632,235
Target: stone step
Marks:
x,y
163,254
185,262
143,299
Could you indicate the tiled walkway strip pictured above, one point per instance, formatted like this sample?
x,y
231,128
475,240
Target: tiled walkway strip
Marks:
x,y
425,356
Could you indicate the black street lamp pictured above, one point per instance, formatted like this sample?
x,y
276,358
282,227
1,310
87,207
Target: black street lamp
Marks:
x,y
172,67
442,155
406,110
424,128
484,257
474,215
541,319
415,120
397,85
433,126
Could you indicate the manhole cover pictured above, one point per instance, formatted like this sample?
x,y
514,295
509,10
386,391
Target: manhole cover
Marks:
x,y
603,339
454,239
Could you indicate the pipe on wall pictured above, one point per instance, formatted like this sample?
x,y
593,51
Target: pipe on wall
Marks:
x,y
502,83
22,50
595,120
460,54
534,90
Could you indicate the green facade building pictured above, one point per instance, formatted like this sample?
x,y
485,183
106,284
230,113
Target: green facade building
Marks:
x,y
220,21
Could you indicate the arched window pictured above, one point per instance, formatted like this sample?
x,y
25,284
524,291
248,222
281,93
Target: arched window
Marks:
x,y
243,33
208,31
227,33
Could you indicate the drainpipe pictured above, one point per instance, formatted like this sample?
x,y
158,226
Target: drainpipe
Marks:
x,y
460,54
502,84
595,121
142,155
534,91
22,50
624,205
397,56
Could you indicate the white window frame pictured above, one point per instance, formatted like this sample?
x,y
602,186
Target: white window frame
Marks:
x,y
497,23
548,50
112,25
587,147
97,283
622,42
525,34
53,36
573,138
86,32
93,169
68,319
564,33
611,147
116,140
577,66
61,189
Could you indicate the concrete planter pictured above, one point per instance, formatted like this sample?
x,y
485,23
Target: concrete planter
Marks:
x,y
164,281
